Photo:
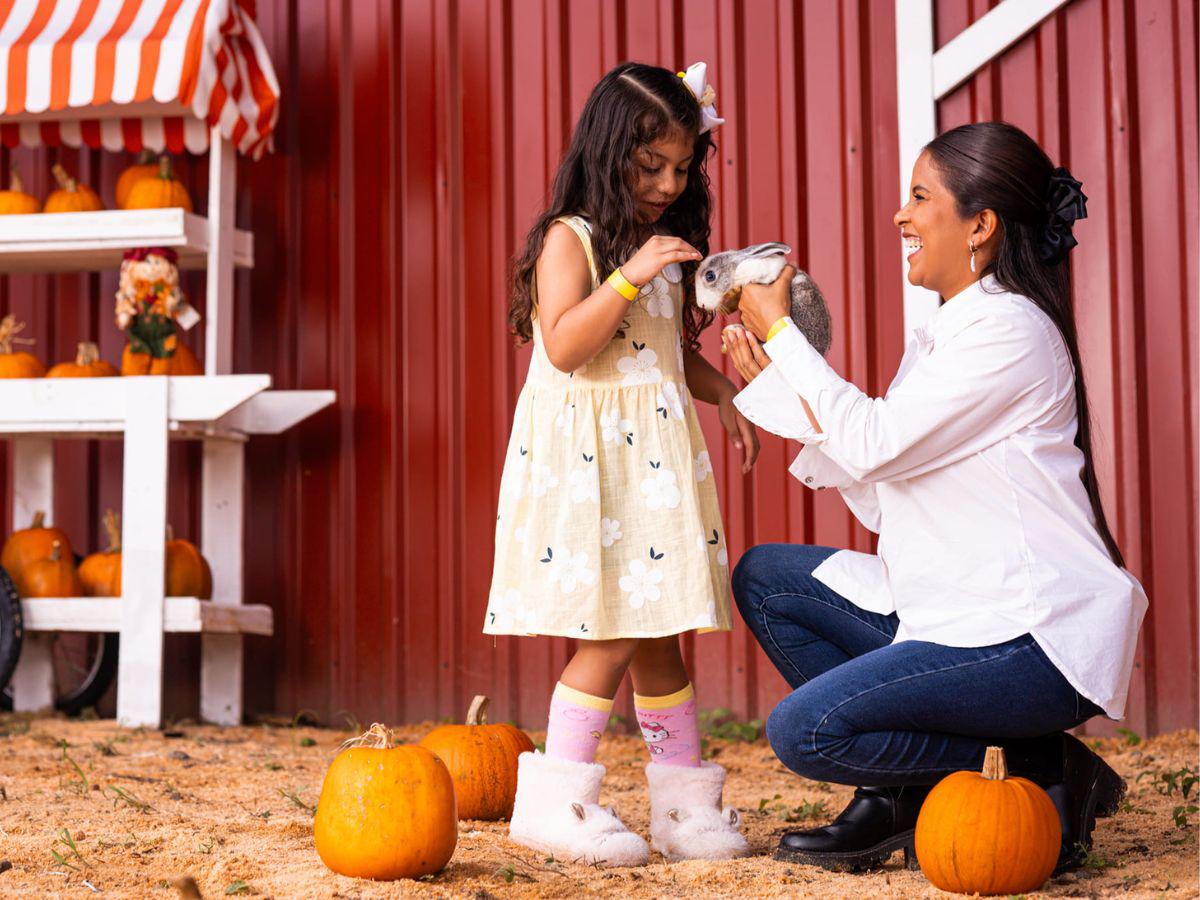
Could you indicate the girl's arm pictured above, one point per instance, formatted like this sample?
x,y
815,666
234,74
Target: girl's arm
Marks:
x,y
707,384
577,322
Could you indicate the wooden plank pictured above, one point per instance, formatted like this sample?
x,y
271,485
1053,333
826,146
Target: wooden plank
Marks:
x,y
273,412
180,614
222,179
33,491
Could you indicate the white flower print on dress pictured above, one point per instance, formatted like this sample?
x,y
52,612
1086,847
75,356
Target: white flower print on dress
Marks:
x,y
614,428
641,584
658,299
521,536
569,570
703,466
565,420
639,369
516,474
610,532
506,611
585,484
671,399
660,489
723,557
542,479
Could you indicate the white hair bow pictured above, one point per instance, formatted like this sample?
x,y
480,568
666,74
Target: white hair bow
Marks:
x,y
696,78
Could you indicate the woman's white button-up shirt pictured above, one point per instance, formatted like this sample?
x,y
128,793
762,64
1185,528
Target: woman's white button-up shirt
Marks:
x,y
967,468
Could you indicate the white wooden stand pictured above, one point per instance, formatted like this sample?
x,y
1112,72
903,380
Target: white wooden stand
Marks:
x,y
220,409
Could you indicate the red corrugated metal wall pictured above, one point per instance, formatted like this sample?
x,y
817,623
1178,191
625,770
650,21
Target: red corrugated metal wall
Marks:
x,y
415,146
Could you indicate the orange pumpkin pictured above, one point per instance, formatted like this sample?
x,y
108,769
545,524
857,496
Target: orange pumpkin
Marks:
x,y
71,196
482,760
188,573
145,167
14,201
385,811
54,576
178,360
87,364
100,573
17,363
160,191
988,833
27,545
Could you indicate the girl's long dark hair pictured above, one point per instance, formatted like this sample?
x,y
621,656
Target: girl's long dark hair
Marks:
x,y
631,107
997,166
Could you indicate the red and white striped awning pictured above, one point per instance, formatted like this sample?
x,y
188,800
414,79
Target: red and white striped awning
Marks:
x,y
133,74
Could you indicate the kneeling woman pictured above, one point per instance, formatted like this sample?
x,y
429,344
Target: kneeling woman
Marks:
x,y
997,610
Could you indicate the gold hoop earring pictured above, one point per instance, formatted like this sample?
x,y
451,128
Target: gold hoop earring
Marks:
x,y
972,246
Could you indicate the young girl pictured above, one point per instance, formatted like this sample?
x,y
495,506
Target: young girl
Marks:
x,y
608,528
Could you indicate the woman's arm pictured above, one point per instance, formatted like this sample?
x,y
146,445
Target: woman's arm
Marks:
x,y
707,384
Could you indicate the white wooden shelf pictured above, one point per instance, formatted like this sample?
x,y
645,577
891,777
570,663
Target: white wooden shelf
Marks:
x,y
96,241
180,614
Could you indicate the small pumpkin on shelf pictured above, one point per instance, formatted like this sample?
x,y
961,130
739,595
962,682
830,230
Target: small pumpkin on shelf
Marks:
x,y
170,357
161,190
188,573
17,363
100,573
70,196
28,545
145,167
482,760
87,364
53,576
14,201
385,811
987,833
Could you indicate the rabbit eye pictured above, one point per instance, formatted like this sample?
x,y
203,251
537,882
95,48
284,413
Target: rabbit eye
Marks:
x,y
710,276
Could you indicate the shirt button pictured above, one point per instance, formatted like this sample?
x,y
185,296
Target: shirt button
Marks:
x,y
808,480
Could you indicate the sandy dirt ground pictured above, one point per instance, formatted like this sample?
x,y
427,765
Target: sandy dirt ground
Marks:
x,y
89,808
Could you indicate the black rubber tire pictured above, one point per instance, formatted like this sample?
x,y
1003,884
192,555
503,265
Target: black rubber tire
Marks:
x,y
92,688
11,633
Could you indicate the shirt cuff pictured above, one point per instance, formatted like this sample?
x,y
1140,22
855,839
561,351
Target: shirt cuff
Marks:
x,y
770,403
803,367
815,470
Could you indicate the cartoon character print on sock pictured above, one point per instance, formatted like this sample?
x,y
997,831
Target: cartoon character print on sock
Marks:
x,y
671,733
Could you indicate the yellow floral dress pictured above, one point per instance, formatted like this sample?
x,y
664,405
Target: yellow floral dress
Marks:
x,y
608,522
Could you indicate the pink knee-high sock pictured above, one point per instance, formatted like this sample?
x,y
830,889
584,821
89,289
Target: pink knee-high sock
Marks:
x,y
669,727
577,722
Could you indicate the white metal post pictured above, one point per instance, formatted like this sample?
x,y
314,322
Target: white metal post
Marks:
x,y
33,486
222,545
143,550
222,179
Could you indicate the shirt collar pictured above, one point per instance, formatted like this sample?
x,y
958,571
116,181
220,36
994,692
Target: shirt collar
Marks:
x,y
952,315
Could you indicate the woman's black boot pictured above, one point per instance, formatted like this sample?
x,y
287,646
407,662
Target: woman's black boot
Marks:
x,y
878,822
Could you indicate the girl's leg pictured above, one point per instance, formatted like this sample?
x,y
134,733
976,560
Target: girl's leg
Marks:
x,y
665,703
582,700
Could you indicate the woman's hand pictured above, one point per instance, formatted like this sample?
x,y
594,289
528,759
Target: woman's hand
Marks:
x,y
743,348
762,305
654,255
740,430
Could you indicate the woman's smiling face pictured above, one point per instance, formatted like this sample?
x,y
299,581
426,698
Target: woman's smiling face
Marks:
x,y
937,240
662,174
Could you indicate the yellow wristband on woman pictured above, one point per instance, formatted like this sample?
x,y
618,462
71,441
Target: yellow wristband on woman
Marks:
x,y
623,285
779,325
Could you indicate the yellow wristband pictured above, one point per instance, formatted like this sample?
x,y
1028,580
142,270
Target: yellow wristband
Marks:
x,y
623,285
779,325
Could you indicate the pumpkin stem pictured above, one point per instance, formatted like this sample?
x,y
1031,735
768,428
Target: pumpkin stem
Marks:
x,y
995,768
65,181
86,353
39,520
9,329
170,532
14,180
164,168
477,714
112,525
145,156
377,737
56,551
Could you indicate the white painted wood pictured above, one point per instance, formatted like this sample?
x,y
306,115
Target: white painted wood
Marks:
x,y
984,40
180,614
916,114
95,241
274,412
218,332
61,405
144,514
33,491
222,544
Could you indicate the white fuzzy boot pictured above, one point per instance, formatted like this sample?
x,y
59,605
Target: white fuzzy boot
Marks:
x,y
557,811
686,817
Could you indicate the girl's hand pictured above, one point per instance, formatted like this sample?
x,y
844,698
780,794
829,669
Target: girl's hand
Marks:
x,y
762,305
747,353
654,255
741,432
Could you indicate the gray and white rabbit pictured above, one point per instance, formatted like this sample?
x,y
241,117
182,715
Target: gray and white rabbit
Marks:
x,y
720,278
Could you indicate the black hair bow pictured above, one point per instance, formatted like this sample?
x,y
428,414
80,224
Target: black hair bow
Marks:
x,y
1065,202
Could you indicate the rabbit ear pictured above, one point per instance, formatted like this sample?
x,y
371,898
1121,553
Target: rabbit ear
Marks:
x,y
756,251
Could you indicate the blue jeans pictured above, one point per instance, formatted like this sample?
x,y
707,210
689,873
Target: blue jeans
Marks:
x,y
865,711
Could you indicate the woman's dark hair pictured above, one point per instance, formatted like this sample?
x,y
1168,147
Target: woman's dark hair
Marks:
x,y
631,107
997,166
